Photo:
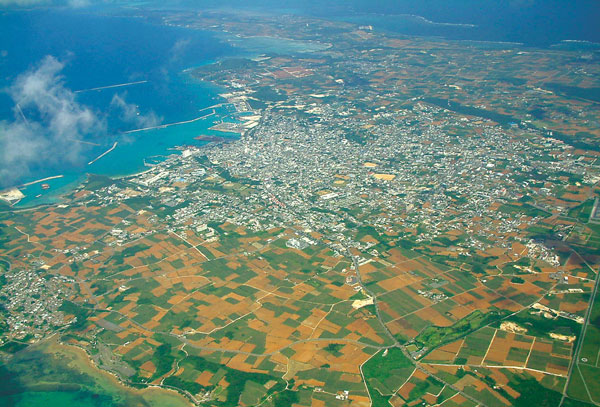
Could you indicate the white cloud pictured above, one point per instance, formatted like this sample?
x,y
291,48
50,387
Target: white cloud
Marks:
x,y
179,49
129,113
21,3
48,125
29,3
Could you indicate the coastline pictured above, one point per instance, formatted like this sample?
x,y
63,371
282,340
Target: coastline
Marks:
x,y
96,379
116,380
425,20
74,179
152,79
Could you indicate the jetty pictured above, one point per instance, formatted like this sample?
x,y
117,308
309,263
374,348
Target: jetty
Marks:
x,y
120,85
104,153
164,126
40,180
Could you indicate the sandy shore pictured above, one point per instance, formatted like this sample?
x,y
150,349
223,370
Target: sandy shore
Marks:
x,y
80,362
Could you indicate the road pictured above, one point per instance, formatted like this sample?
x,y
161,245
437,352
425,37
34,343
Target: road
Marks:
x,y
397,344
575,360
365,289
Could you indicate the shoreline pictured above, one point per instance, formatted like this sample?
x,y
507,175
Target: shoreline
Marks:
x,y
58,198
226,36
82,361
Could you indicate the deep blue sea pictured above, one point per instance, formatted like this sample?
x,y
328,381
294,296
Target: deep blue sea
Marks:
x,y
537,23
102,51
99,51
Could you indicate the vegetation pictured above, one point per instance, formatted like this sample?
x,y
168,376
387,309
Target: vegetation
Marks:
x,y
534,394
385,374
237,380
334,348
435,336
80,312
471,111
286,398
517,280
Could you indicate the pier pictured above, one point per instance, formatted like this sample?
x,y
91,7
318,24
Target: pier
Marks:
x,y
164,126
120,85
84,142
103,154
40,180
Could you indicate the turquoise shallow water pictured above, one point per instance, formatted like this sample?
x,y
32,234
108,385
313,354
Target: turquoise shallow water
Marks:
x,y
133,149
100,50
61,399
53,375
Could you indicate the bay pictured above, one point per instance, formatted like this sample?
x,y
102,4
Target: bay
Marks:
x,y
101,51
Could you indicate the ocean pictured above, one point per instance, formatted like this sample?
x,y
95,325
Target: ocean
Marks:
x,y
100,51
535,23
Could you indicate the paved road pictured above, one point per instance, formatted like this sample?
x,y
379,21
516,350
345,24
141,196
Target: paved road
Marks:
x,y
397,344
575,360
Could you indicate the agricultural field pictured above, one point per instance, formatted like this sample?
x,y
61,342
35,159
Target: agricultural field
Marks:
x,y
241,317
584,383
404,221
217,317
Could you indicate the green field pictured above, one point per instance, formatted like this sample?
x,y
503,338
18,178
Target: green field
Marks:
x,y
435,336
585,378
475,344
385,374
